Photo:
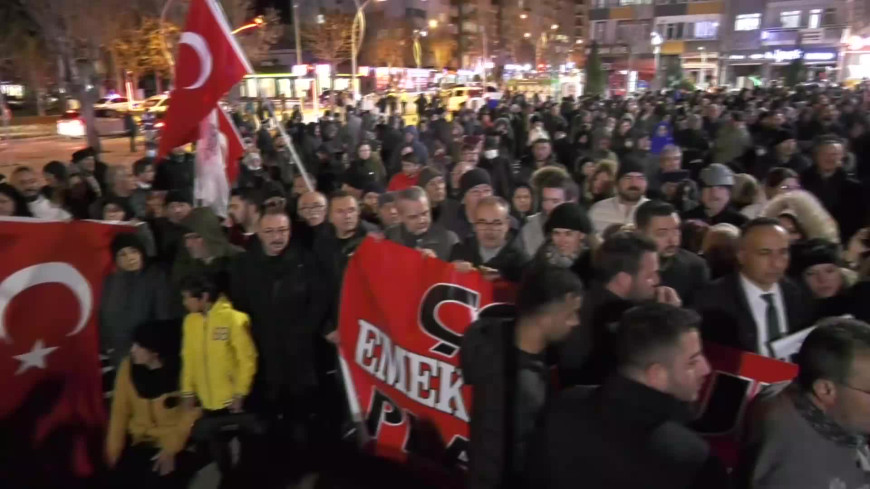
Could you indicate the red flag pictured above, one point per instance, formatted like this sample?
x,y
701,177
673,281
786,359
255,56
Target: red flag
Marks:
x,y
235,145
51,410
209,63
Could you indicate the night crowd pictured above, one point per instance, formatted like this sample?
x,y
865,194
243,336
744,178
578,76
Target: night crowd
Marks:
x,y
636,229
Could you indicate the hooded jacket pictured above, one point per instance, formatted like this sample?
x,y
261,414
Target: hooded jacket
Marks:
x,y
810,214
205,223
218,356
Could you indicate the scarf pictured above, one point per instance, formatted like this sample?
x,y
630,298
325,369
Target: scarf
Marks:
x,y
824,425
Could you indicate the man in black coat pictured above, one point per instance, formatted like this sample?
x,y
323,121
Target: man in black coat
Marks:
x,y
493,248
285,291
631,432
175,172
716,181
679,268
756,304
503,359
842,195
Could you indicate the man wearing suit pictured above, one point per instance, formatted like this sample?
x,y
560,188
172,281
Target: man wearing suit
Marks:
x,y
754,305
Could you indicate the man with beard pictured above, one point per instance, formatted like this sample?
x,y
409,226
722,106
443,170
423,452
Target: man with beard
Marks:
x,y
638,416
25,182
284,289
626,273
619,210
717,180
244,212
680,269
493,248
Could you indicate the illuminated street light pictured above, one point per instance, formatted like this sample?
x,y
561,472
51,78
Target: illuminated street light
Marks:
x,y
579,41
527,35
656,41
554,26
524,16
433,24
257,22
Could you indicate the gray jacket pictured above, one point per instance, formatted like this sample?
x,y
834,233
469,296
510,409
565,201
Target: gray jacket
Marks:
x,y
533,233
783,450
437,239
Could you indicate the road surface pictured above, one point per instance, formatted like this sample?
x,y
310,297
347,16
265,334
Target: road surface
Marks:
x,y
36,152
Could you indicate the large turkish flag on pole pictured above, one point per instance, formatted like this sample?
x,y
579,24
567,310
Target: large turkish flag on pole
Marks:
x,y
51,407
209,63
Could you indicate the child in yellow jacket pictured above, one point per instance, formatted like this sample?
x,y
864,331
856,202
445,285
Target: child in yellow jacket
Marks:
x,y
218,356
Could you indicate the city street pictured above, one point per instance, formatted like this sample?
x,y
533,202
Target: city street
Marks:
x,y
36,152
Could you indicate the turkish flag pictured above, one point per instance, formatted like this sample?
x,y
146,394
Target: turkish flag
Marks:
x,y
235,145
51,410
209,63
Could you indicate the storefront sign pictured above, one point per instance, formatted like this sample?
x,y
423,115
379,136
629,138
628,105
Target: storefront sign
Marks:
x,y
786,55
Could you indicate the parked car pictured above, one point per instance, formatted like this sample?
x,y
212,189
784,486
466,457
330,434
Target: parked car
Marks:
x,y
156,104
458,95
115,103
107,122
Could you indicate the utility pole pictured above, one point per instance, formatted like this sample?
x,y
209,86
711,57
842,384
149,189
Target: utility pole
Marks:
x,y
295,12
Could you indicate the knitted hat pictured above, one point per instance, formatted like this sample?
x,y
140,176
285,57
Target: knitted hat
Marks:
x,y
717,175
127,240
387,198
179,195
427,174
816,251
373,187
472,178
568,216
82,154
160,336
781,136
630,165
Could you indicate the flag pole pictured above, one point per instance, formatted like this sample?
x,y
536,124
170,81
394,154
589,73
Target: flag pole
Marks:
x,y
289,142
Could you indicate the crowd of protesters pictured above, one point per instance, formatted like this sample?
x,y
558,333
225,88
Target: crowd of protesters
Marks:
x,y
636,228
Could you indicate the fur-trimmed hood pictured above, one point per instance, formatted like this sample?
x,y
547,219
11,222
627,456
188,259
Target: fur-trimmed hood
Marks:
x,y
811,215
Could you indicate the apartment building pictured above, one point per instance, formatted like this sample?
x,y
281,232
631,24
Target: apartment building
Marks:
x,y
765,36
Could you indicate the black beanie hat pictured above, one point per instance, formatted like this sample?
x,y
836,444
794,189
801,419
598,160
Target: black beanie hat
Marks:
x,y
126,240
273,189
160,336
569,216
124,204
179,195
427,174
630,165
373,187
813,252
473,178
780,136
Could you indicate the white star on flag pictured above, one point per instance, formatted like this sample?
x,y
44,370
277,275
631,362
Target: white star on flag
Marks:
x,y
35,358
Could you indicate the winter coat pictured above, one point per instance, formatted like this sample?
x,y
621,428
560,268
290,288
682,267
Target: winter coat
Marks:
x,y
128,300
510,261
159,421
286,297
842,196
437,239
811,216
175,173
218,356
621,435
205,223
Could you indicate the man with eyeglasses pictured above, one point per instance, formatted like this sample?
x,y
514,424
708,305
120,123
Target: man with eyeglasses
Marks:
x,y
312,214
493,249
285,290
812,432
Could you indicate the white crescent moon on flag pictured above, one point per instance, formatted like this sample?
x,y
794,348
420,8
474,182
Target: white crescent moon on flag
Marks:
x,y
46,273
199,45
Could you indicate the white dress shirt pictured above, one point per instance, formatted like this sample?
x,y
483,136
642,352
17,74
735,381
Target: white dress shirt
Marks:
x,y
758,307
611,211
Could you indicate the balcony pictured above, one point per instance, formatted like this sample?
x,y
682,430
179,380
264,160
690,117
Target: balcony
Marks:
x,y
778,36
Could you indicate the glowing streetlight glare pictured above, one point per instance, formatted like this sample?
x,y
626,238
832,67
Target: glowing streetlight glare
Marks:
x,y
527,35
579,41
524,16
554,26
257,22
656,39
433,23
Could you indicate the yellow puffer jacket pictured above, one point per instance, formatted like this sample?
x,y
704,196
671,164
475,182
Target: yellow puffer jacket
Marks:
x,y
146,420
218,356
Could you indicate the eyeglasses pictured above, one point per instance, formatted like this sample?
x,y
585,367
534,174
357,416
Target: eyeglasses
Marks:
x,y
856,389
308,208
489,224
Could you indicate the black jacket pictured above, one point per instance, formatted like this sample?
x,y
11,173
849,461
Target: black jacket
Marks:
x,y
842,196
727,318
501,420
510,261
500,171
685,272
623,435
286,297
728,215
586,355
175,173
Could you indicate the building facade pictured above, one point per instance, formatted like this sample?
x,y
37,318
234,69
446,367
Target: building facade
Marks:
x,y
765,36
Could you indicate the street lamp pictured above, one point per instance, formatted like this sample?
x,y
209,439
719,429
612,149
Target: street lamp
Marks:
x,y
554,26
527,35
656,41
433,23
359,22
